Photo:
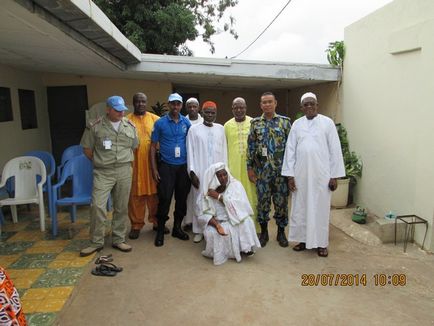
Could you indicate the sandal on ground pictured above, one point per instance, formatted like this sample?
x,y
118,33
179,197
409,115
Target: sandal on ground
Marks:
x,y
300,247
104,259
323,252
111,267
101,271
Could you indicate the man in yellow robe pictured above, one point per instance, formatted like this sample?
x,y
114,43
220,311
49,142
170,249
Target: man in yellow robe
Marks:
x,y
143,188
237,130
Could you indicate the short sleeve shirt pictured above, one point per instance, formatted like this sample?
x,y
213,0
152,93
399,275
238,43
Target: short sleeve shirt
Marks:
x,y
172,138
109,146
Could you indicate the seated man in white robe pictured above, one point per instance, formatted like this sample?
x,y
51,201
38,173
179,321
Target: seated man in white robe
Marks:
x,y
228,227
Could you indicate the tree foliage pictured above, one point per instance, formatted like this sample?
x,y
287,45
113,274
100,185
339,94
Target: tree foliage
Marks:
x,y
163,26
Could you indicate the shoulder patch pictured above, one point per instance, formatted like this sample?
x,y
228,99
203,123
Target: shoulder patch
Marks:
x,y
131,123
95,122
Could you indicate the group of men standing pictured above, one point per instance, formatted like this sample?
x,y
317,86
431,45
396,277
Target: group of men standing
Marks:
x,y
169,156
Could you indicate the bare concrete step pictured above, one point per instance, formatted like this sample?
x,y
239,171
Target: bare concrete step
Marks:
x,y
375,232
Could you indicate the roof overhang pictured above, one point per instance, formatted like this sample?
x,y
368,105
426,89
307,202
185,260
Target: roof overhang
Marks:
x,y
75,37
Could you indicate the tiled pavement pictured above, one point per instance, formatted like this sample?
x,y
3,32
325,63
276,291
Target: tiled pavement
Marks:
x,y
44,269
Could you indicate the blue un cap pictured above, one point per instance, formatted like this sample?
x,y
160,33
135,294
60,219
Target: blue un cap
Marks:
x,y
117,103
175,97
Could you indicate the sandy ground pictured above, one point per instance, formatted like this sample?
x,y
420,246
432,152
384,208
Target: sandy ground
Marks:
x,y
176,285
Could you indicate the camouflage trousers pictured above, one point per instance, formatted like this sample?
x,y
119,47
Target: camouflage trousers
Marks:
x,y
276,189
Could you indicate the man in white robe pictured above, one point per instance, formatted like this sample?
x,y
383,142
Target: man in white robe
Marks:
x,y
228,227
206,145
312,161
192,107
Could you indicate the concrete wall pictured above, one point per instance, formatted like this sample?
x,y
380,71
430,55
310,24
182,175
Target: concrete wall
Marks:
x,y
14,140
329,103
388,109
99,88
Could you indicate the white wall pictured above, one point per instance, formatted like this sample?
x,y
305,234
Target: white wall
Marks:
x,y
14,141
388,96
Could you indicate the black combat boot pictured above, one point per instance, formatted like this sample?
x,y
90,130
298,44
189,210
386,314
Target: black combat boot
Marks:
x,y
263,237
177,230
159,238
281,237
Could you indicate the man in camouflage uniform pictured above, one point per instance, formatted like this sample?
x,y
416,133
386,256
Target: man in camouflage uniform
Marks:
x,y
109,142
266,146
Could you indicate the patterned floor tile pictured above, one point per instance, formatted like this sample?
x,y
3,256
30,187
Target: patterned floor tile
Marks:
x,y
62,292
41,319
14,227
6,235
39,260
41,250
51,243
21,292
60,264
77,245
10,248
5,261
51,305
27,236
30,306
59,277
24,278
36,294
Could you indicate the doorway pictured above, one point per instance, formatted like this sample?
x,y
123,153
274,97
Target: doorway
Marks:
x,y
66,110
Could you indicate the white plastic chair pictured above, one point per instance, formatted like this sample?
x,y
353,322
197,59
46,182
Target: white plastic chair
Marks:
x,y
25,169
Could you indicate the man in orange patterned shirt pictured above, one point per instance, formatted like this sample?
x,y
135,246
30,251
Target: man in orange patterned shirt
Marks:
x,y
143,188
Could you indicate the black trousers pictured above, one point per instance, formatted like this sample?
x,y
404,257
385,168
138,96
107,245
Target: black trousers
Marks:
x,y
173,178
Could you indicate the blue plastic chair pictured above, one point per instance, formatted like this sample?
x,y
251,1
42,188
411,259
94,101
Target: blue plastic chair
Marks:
x,y
50,166
68,153
80,170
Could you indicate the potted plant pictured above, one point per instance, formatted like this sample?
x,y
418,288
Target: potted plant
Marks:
x,y
353,170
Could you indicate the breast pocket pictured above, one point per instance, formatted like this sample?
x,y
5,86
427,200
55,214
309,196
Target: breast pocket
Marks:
x,y
126,138
102,137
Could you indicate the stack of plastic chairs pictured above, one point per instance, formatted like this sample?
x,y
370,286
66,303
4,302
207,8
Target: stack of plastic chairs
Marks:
x,y
68,153
78,169
30,175
50,166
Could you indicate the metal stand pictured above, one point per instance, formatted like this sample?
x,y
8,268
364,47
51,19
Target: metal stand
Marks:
x,y
410,221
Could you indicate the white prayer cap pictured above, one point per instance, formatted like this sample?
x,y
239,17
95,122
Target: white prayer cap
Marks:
x,y
306,95
192,100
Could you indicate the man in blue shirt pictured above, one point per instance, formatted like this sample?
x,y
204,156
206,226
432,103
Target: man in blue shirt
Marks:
x,y
170,132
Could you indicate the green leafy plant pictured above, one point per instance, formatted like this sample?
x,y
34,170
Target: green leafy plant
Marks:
x,y
160,109
353,163
336,53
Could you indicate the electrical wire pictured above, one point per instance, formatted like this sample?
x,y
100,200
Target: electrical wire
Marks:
x,y
263,30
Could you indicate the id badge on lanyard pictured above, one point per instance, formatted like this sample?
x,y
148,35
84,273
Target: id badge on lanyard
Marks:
x,y
107,143
177,151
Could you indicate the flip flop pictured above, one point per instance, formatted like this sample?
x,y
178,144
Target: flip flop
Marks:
x,y
104,259
98,271
111,267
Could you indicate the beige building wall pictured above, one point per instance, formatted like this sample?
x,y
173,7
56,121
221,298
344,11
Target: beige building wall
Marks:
x,y
388,109
99,88
329,103
224,98
14,140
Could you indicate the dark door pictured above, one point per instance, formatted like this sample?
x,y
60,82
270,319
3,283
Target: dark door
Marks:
x,y
66,110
